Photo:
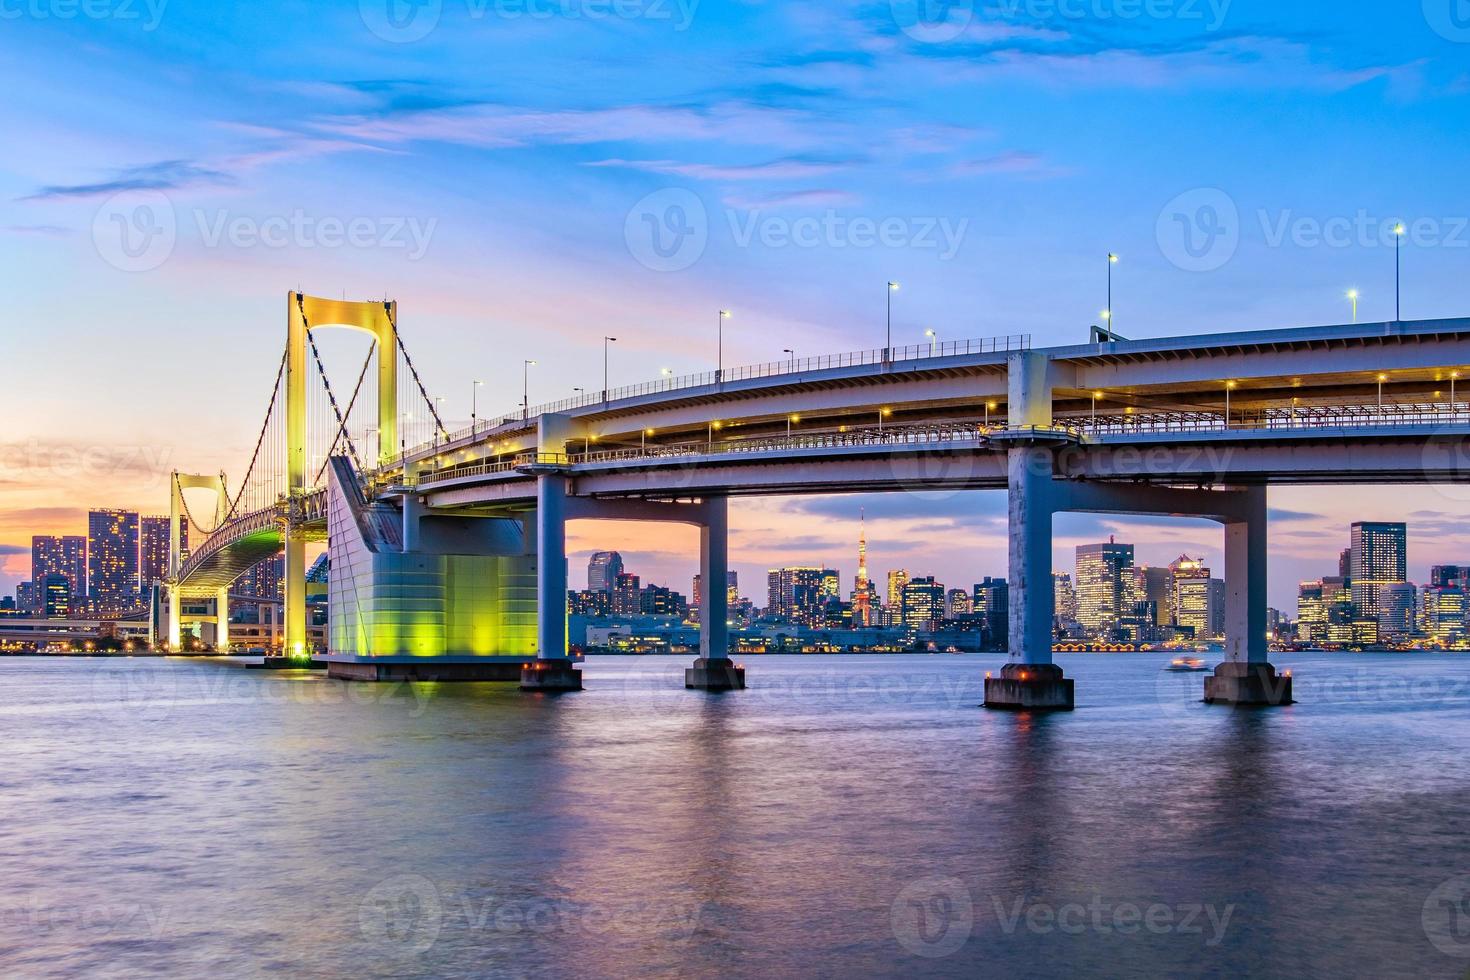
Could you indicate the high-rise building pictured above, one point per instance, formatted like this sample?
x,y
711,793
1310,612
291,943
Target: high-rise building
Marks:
x,y
64,555
153,549
603,569
1450,577
27,598
1379,559
1445,612
992,599
1198,600
923,604
1064,598
800,594
862,594
1155,584
958,603
112,561
1311,613
55,597
266,579
732,591
1102,595
1396,605
626,599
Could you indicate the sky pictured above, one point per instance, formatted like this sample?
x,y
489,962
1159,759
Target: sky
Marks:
x,y
174,167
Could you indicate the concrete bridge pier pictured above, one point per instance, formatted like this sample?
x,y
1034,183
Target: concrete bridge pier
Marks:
x,y
222,620
714,671
1247,677
552,669
1030,682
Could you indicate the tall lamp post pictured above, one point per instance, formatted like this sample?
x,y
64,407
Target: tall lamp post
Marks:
x,y
1398,242
888,342
526,389
720,351
1108,313
932,337
474,404
791,365
605,342
1352,296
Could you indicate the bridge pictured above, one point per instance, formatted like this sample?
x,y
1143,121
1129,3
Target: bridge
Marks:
x,y
448,555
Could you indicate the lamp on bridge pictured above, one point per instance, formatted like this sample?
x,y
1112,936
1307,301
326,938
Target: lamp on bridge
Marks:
x,y
932,337
720,352
1352,295
605,342
888,344
474,403
1229,387
792,364
1398,241
1108,313
526,389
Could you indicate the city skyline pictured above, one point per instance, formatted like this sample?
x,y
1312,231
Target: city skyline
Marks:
x,y
245,128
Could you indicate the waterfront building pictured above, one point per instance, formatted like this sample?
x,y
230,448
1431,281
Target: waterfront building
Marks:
x,y
153,549
958,603
799,594
626,600
1101,594
1396,608
1443,614
923,604
64,555
992,600
603,569
1379,559
55,597
112,561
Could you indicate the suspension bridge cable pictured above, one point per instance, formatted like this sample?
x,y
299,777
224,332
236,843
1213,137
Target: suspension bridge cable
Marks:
x,y
423,392
351,404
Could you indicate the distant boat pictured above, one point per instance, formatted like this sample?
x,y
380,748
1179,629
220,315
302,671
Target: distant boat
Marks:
x,y
1187,665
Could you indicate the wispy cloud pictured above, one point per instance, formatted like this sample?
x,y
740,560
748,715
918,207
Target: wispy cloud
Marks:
x,y
165,175
785,169
1015,163
817,198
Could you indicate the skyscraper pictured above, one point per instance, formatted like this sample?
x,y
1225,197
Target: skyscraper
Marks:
x,y
1064,598
55,597
1197,603
60,555
923,604
153,549
862,597
603,570
1396,605
1102,586
992,599
112,561
1379,559
799,594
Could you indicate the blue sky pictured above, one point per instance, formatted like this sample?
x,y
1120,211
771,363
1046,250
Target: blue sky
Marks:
x,y
499,161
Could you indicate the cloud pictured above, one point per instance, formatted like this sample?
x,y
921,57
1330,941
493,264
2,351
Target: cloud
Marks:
x,y
13,549
796,199
1278,515
1014,163
165,175
44,231
785,169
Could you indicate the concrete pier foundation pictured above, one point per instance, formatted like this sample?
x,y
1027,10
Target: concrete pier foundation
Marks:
x,y
714,674
551,676
1248,685
1030,687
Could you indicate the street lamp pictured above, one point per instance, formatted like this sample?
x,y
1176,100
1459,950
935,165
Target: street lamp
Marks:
x,y
605,342
888,343
1353,296
1398,241
474,403
1381,378
1108,313
989,407
791,365
644,445
931,335
1229,387
1454,376
526,389
1096,396
882,414
720,356
790,419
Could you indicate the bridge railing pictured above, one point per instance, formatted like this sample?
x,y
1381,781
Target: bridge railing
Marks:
x,y
791,366
1280,419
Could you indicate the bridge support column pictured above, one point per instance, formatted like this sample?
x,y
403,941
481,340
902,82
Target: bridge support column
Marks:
x,y
553,670
1030,682
1247,676
714,671
294,620
175,624
222,620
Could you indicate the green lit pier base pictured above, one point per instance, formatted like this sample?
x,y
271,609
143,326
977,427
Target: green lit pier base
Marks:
x,y
415,596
